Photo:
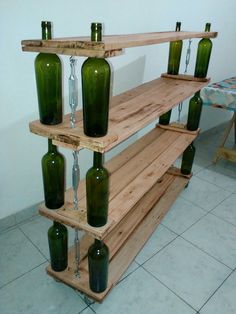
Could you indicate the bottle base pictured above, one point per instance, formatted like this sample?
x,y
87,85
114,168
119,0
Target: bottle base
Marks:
x,y
97,221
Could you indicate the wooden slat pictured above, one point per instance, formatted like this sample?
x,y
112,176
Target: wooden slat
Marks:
x,y
185,77
110,46
129,250
178,128
130,182
127,225
134,166
226,153
131,111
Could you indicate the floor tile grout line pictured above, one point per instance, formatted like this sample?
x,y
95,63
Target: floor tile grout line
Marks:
x,y
22,275
214,183
38,249
157,251
168,288
179,234
205,210
223,219
18,224
196,246
216,290
122,279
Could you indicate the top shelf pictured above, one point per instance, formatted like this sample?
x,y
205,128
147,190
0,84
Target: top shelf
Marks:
x,y
111,45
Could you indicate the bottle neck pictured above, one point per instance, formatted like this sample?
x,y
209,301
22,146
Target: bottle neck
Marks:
x,y
56,224
98,243
207,27
192,147
46,30
197,94
178,26
97,160
96,32
51,148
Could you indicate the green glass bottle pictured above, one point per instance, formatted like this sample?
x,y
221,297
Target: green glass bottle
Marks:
x,y
49,83
164,119
58,246
98,260
203,55
95,74
97,192
175,51
53,168
187,159
194,112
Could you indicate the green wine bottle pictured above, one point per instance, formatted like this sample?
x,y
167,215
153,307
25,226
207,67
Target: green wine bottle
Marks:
x,y
53,168
187,159
97,192
49,83
194,112
95,74
164,119
58,246
203,55
98,260
175,51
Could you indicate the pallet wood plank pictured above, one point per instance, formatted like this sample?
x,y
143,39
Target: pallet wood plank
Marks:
x,y
129,183
132,111
111,45
127,225
129,250
185,77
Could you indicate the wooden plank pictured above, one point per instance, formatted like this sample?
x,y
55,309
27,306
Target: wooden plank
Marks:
x,y
112,44
128,183
75,51
185,77
178,128
132,111
129,196
226,153
127,225
176,172
134,244
134,167
129,250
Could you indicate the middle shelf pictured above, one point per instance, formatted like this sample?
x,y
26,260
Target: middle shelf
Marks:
x,y
133,173
129,112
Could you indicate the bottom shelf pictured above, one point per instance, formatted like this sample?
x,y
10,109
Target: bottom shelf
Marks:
x,y
125,255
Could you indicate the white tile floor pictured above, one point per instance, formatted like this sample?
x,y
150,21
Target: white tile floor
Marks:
x,y
188,265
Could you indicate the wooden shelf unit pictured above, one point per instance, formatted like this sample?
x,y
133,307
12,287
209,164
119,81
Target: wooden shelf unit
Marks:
x,y
143,182
133,173
121,259
129,112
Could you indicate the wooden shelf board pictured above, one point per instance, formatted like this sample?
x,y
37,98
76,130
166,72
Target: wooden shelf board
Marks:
x,y
132,174
125,255
186,77
111,45
129,112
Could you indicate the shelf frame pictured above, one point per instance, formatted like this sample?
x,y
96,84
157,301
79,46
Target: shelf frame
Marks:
x,y
122,258
129,112
132,174
110,46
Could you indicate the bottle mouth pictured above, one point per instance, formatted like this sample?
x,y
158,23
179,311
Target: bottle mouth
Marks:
x,y
96,26
46,23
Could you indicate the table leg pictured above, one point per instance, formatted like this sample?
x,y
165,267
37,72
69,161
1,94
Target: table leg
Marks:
x,y
220,149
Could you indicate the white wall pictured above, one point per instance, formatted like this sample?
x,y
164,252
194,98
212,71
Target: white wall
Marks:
x,y
21,151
